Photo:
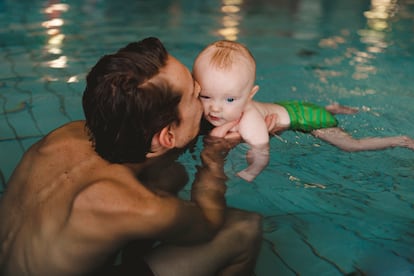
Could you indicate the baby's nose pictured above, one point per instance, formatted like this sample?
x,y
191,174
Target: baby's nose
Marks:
x,y
215,106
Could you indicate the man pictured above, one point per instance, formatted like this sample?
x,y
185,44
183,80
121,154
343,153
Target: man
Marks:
x,y
74,200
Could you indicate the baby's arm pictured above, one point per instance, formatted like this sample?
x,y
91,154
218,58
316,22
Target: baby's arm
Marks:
x,y
253,130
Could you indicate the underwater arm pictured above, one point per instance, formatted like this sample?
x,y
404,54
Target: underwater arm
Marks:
x,y
254,131
258,159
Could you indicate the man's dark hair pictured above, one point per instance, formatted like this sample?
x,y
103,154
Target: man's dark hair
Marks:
x,y
124,106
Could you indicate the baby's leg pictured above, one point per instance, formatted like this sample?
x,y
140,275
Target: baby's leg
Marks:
x,y
336,108
339,138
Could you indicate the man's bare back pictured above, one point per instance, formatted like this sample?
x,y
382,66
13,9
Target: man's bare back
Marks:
x,y
68,169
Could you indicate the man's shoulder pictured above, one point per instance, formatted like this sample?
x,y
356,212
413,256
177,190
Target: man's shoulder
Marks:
x,y
71,138
71,129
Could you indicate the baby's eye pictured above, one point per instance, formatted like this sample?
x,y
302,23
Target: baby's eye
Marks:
x,y
203,97
230,100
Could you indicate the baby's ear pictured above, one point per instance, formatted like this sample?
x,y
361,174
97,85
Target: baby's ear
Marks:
x,y
253,91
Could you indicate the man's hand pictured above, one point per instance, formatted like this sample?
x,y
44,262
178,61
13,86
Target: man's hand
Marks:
x,y
224,131
272,123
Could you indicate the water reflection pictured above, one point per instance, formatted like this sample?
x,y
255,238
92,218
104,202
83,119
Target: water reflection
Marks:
x,y
53,26
374,36
231,19
378,17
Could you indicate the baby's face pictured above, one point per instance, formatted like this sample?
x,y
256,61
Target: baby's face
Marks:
x,y
224,93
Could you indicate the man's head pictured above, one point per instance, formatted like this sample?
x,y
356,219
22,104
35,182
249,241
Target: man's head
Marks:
x,y
226,71
136,103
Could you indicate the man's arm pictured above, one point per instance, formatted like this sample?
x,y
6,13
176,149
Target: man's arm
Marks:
x,y
209,188
200,218
130,210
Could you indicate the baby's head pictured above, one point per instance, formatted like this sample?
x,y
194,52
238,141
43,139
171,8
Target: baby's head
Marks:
x,y
226,72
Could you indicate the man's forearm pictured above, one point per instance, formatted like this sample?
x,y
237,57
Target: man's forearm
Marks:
x,y
208,192
209,187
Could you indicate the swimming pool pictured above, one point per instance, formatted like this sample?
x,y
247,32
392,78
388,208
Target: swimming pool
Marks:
x,y
326,212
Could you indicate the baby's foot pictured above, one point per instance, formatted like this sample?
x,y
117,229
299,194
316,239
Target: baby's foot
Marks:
x,y
336,108
406,142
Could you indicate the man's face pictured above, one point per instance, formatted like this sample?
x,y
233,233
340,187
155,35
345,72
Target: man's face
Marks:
x,y
190,106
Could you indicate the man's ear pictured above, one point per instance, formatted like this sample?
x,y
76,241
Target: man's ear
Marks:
x,y
253,91
166,137
162,142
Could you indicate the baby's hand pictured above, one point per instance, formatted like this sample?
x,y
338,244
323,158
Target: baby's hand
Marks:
x,y
246,175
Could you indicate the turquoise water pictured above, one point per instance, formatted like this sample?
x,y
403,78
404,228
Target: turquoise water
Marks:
x,y
326,212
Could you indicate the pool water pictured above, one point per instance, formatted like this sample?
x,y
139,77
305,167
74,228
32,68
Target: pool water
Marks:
x,y
326,212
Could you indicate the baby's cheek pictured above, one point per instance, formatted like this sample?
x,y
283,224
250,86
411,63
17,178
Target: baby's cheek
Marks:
x,y
234,116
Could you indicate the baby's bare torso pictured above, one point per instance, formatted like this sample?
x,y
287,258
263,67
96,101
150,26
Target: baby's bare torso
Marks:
x,y
266,109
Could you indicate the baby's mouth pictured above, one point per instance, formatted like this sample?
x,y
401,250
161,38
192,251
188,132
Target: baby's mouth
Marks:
x,y
213,118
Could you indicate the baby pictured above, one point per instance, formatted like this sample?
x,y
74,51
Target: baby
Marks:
x,y
226,72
